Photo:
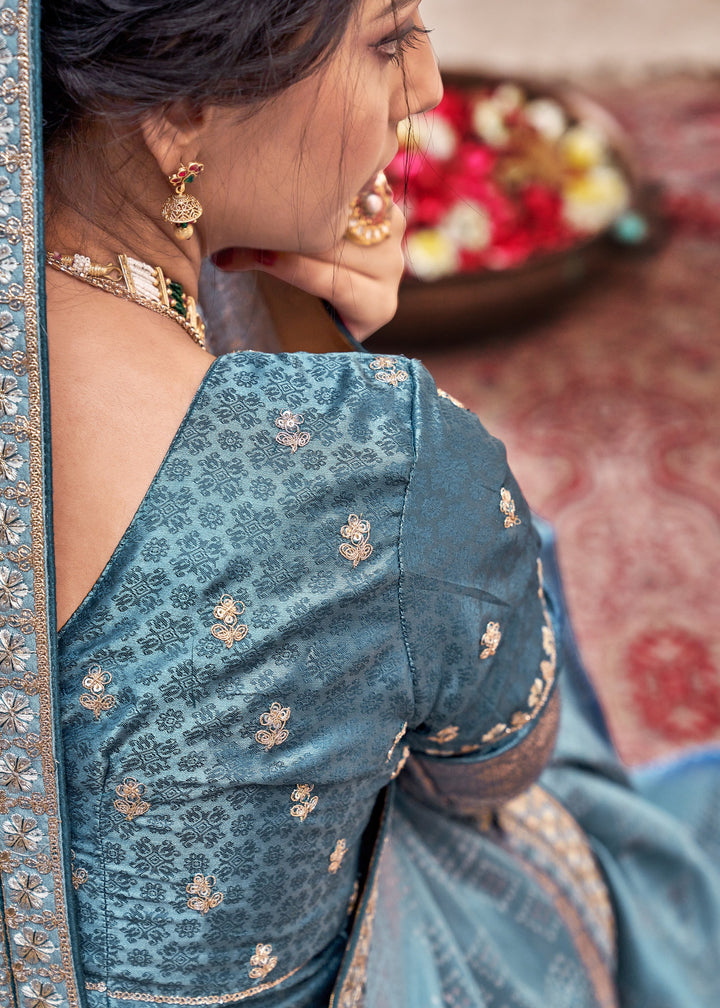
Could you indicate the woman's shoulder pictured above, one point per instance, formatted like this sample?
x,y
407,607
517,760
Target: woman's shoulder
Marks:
x,y
350,385
366,381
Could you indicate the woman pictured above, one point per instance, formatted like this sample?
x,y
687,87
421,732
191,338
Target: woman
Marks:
x,y
278,577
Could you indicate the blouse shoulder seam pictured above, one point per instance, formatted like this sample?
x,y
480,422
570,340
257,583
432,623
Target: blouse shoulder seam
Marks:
x,y
413,368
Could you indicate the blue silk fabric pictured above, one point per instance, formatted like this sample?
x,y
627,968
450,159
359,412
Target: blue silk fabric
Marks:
x,y
332,569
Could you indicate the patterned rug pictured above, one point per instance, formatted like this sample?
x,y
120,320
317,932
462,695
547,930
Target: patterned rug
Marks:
x,y
611,415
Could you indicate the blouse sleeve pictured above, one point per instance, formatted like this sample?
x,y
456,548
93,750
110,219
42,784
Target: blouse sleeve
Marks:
x,y
478,632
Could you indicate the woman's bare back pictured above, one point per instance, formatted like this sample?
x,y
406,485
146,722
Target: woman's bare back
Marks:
x,y
121,381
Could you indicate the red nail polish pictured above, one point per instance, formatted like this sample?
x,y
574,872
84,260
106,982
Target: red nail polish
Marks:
x,y
266,257
223,258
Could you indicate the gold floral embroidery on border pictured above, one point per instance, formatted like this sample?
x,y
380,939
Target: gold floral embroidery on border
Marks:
x,y
34,946
336,858
388,372
358,532
42,972
306,803
202,897
96,680
542,685
507,506
397,738
262,962
130,801
445,735
490,640
290,434
229,630
274,733
28,890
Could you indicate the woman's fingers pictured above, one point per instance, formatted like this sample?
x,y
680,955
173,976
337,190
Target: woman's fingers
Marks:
x,y
361,282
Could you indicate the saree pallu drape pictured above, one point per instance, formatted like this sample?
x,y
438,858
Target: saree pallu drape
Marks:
x,y
37,969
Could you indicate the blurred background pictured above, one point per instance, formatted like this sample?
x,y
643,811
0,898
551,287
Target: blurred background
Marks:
x,y
575,36
603,378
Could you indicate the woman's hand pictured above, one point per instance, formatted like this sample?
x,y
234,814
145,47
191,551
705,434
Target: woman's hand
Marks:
x,y
360,282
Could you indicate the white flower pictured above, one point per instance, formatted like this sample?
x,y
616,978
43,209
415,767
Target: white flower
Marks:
x,y
13,651
10,461
8,264
433,135
9,332
16,714
11,525
489,123
468,226
508,97
12,590
431,254
592,203
10,396
547,116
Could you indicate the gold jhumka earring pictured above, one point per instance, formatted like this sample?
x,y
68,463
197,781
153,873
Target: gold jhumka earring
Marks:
x,y
182,209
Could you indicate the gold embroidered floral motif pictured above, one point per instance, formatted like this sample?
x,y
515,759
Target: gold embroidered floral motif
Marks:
x,y
507,506
306,802
202,897
490,640
16,715
291,435
97,700
229,630
34,946
336,858
21,834
445,735
28,890
262,962
17,772
387,371
542,684
130,801
358,532
40,994
275,732
397,738
79,875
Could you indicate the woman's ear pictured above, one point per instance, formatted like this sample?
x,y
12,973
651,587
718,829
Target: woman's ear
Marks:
x,y
172,134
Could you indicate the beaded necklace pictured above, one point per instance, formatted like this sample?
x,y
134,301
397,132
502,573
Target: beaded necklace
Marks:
x,y
136,281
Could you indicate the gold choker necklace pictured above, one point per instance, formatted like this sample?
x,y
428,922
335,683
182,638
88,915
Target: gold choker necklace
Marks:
x,y
136,281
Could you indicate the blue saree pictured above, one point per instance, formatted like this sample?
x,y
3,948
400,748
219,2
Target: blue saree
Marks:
x,y
264,759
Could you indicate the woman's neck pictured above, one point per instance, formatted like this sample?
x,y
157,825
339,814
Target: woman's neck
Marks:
x,y
67,233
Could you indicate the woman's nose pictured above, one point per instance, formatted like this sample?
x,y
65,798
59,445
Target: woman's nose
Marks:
x,y
423,84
